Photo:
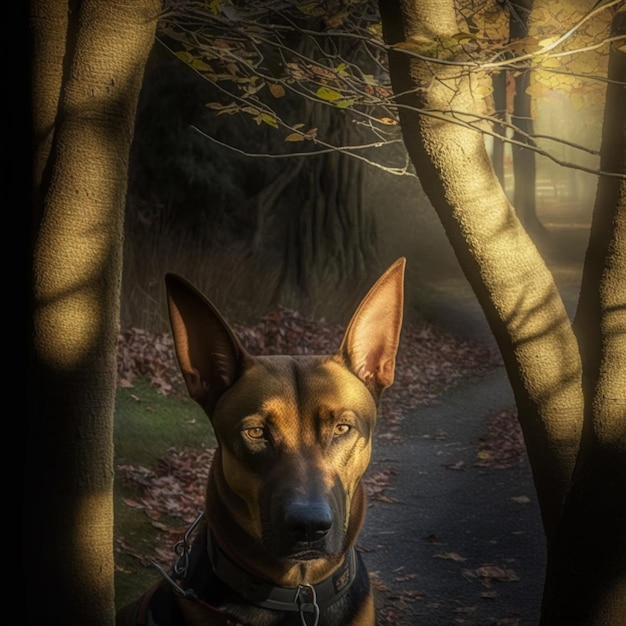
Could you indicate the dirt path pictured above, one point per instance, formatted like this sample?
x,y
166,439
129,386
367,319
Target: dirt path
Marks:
x,y
458,543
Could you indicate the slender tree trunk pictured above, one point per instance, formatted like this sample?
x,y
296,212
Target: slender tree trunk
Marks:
x,y
559,378
586,573
87,67
524,162
507,273
524,168
500,104
331,236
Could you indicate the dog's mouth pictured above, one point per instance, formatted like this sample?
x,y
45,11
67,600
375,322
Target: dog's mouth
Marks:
x,y
302,550
307,554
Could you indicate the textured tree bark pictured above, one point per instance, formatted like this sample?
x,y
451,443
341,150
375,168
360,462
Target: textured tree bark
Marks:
x,y
507,273
586,572
87,68
569,387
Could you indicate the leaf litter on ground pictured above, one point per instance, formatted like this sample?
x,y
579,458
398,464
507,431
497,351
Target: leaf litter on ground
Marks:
x,y
430,360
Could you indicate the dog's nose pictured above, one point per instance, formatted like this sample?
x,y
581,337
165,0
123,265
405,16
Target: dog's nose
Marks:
x,y
308,521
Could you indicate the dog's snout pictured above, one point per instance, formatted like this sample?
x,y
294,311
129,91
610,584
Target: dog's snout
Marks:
x,y
308,521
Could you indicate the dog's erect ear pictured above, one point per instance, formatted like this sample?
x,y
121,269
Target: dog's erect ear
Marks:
x,y
371,340
209,355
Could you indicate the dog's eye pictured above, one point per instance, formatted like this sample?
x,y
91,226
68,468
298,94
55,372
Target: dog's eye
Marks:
x,y
341,429
255,433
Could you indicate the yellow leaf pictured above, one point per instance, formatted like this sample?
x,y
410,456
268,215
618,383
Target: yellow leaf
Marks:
x,y
344,103
388,121
278,91
548,41
328,94
185,56
553,62
250,110
270,120
200,65
214,6
294,137
481,91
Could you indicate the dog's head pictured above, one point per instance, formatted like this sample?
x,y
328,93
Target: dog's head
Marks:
x,y
294,432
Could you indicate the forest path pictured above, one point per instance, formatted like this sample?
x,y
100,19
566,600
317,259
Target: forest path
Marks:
x,y
459,543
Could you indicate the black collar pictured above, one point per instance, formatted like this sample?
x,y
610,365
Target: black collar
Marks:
x,y
303,598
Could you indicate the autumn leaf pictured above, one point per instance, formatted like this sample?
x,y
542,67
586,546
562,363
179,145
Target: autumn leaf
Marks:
x,y
452,556
328,94
266,118
344,103
294,137
200,65
547,42
487,574
186,57
482,90
278,91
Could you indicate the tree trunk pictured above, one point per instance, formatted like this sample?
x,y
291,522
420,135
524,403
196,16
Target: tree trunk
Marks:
x,y
586,572
330,238
524,166
500,105
559,378
87,67
507,273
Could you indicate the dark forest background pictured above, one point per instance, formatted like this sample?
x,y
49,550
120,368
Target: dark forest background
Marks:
x,y
310,233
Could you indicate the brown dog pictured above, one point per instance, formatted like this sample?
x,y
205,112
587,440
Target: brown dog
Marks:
x,y
284,500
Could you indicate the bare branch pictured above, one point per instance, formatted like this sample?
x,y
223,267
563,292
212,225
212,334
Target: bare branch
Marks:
x,y
243,37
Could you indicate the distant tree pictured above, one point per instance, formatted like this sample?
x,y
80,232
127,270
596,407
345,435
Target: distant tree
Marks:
x,y
87,60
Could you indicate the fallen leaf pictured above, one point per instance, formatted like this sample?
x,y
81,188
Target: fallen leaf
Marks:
x,y
458,466
452,556
487,574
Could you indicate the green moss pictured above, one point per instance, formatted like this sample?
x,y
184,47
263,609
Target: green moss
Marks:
x,y
146,425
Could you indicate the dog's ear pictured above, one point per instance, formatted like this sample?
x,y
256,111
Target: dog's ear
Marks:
x,y
210,356
371,340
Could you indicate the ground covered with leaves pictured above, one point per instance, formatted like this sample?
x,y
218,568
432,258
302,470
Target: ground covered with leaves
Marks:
x,y
430,360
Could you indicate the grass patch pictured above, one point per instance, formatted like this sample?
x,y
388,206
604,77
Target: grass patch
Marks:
x,y
146,425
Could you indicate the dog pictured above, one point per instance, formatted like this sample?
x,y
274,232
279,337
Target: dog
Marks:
x,y
284,498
